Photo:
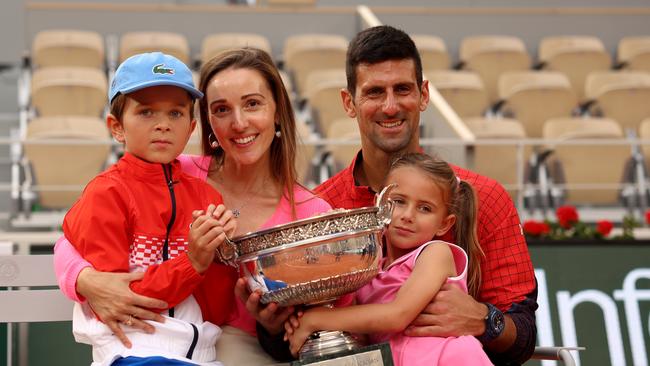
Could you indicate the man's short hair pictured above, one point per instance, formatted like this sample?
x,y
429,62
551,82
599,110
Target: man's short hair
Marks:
x,y
379,44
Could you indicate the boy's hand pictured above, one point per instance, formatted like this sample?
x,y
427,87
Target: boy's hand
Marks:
x,y
206,234
227,219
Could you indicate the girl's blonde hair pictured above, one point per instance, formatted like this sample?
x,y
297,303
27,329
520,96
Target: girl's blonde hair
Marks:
x,y
460,200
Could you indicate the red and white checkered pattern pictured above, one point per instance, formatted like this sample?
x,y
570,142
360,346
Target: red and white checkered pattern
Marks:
x,y
147,250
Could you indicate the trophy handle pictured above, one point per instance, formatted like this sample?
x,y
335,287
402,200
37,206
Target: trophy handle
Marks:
x,y
227,252
385,205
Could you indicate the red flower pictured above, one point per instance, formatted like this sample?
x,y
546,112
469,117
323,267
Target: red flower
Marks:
x,y
604,227
567,216
536,228
647,216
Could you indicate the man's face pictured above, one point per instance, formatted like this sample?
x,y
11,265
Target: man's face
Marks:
x,y
387,105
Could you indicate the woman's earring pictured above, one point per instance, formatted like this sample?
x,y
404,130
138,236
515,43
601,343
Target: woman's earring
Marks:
x,y
213,141
278,134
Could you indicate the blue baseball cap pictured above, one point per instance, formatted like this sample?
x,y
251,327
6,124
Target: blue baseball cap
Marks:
x,y
151,69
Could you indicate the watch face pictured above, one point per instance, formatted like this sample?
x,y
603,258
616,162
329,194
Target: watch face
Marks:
x,y
497,321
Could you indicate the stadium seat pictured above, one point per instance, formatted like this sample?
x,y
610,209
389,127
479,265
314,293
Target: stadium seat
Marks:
x,y
60,171
67,48
433,52
490,56
622,96
535,96
305,53
323,91
305,151
634,53
59,91
506,155
216,43
343,129
174,44
194,143
582,166
532,97
574,56
463,90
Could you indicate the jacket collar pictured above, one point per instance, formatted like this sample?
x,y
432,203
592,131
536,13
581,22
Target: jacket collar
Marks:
x,y
144,170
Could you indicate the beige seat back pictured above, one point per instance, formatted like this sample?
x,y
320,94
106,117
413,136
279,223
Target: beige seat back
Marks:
x,y
69,91
305,53
174,44
490,56
194,143
433,52
62,170
463,90
305,151
588,164
67,48
214,44
535,96
635,53
323,90
344,129
498,162
576,57
622,96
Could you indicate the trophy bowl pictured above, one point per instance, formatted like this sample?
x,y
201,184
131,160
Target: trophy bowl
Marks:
x,y
314,261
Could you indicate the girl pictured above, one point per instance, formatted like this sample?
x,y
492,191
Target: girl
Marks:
x,y
428,201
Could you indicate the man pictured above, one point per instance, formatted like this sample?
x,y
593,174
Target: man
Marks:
x,y
386,94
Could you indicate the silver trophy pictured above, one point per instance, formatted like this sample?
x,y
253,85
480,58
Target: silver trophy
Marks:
x,y
313,262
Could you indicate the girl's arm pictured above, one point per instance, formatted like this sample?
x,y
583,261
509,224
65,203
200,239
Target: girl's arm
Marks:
x,y
433,266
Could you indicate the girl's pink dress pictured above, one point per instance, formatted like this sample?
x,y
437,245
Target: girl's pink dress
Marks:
x,y
430,351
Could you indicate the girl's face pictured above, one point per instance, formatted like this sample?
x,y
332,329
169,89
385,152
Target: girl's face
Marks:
x,y
242,114
419,212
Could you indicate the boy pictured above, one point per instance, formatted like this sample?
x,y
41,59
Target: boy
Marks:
x,y
135,216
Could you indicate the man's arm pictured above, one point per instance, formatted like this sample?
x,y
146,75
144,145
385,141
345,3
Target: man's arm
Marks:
x,y
522,317
453,313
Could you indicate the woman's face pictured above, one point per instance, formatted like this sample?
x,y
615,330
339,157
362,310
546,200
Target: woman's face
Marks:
x,y
242,114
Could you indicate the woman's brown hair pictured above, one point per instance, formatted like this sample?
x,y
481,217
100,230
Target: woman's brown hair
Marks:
x,y
461,202
283,149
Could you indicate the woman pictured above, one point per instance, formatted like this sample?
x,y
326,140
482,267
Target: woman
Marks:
x,y
249,143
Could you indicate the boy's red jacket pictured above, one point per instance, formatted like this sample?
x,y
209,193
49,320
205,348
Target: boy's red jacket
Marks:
x,y
135,216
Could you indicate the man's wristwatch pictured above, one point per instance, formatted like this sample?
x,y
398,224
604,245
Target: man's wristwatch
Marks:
x,y
494,324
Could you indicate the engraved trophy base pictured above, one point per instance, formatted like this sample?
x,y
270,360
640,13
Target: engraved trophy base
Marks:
x,y
373,355
324,343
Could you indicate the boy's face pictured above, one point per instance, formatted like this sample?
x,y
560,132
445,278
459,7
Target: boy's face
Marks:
x,y
156,123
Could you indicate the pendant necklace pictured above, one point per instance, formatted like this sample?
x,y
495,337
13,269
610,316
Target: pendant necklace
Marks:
x,y
237,211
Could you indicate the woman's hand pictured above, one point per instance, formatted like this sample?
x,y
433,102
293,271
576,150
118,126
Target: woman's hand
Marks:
x,y
110,297
271,316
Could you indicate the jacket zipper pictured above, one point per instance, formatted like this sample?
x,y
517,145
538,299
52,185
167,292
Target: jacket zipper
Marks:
x,y
167,170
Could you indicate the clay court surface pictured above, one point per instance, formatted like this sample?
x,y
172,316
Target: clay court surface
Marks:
x,y
326,266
